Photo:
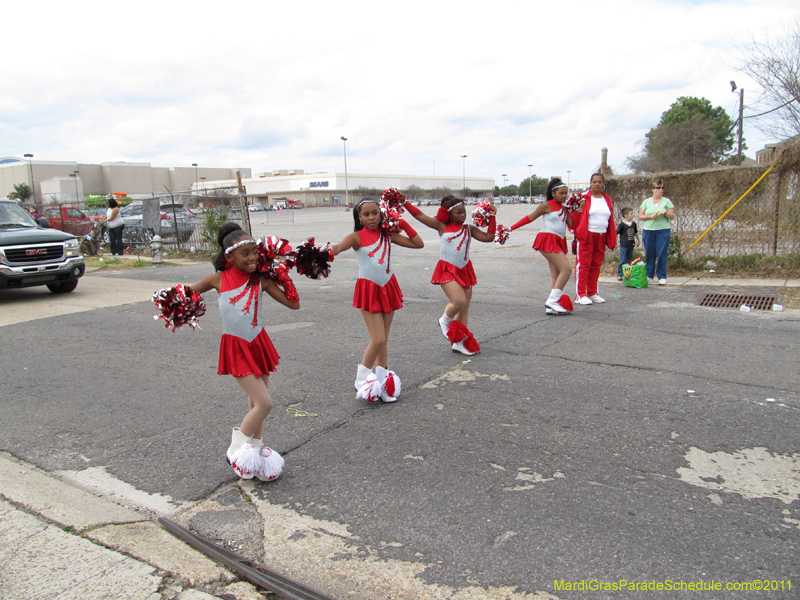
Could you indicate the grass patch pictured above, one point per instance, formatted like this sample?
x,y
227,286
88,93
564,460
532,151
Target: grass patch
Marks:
x,y
740,266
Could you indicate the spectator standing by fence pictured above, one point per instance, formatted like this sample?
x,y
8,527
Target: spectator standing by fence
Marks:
x,y
656,214
115,226
594,230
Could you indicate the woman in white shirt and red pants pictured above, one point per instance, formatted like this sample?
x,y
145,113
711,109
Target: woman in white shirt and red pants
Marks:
x,y
595,231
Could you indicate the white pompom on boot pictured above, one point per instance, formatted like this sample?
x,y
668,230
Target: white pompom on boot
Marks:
x,y
367,384
390,384
271,465
243,455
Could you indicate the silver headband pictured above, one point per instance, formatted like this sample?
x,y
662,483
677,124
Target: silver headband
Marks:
x,y
237,244
560,185
367,200
454,205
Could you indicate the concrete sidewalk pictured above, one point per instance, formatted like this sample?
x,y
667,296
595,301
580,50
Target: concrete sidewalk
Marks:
x,y
61,542
719,281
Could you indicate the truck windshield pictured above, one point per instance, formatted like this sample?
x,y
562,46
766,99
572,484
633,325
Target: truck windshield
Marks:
x,y
12,215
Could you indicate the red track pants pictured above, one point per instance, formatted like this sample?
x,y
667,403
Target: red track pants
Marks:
x,y
587,265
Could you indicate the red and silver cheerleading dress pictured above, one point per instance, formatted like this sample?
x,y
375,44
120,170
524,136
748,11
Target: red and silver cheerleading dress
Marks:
x,y
553,236
376,290
454,262
245,347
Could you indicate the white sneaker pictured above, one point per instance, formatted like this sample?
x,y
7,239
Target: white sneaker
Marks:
x,y
459,347
597,298
662,282
584,300
554,308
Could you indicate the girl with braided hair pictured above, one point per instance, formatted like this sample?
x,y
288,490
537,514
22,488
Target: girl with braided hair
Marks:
x,y
454,272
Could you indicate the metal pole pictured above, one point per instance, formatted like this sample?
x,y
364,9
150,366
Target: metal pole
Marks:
x,y
741,109
195,175
530,182
464,159
33,183
346,188
434,168
568,172
75,175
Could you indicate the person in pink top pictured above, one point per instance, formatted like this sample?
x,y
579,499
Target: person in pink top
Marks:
x,y
377,294
595,231
454,270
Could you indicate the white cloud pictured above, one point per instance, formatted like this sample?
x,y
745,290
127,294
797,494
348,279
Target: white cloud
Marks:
x,y
267,85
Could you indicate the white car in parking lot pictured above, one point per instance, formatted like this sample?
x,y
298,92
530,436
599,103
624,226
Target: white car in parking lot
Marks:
x,y
176,220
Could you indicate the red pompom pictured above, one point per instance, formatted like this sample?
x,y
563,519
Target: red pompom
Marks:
x,y
179,305
566,302
313,262
457,332
391,197
471,344
501,235
443,215
481,213
573,203
271,248
390,221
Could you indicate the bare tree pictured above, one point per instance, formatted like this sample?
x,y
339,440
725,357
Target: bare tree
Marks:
x,y
774,64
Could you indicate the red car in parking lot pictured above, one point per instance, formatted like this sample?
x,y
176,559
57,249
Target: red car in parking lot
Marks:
x,y
68,219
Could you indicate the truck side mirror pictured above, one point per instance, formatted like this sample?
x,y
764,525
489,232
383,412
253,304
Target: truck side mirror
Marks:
x,y
43,223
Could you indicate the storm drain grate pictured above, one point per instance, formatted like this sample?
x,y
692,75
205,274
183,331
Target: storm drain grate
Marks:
x,y
737,300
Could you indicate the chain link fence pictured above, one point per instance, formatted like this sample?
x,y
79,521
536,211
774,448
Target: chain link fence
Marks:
x,y
766,222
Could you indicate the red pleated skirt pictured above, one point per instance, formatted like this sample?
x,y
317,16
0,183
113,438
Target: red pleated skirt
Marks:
x,y
446,272
549,242
373,298
239,357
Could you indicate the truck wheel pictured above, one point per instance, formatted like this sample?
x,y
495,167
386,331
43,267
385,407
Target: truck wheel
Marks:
x,y
62,288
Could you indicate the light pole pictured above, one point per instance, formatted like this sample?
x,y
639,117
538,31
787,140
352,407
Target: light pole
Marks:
x,y
346,188
568,172
75,175
33,183
741,109
203,179
464,159
504,179
434,168
195,174
530,182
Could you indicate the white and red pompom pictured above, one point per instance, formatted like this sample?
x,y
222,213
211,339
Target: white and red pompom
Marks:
x,y
501,235
481,213
573,203
391,197
458,332
270,466
269,249
566,302
246,461
179,305
312,261
371,389
391,218
392,384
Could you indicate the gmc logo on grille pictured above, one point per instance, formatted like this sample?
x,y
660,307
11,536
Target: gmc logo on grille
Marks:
x,y
35,252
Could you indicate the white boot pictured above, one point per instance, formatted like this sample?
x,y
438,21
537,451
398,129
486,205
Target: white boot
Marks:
x,y
459,347
390,384
369,388
444,323
243,455
552,306
361,376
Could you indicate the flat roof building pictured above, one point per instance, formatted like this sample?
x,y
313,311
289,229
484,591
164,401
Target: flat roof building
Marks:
x,y
66,181
331,188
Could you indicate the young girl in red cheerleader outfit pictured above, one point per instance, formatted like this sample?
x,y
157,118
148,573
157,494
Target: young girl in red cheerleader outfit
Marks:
x,y
552,243
377,294
454,270
245,350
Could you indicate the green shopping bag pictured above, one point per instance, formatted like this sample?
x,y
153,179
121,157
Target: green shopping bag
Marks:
x,y
635,275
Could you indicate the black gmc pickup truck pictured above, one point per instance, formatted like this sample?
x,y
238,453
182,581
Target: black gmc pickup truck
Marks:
x,y
32,254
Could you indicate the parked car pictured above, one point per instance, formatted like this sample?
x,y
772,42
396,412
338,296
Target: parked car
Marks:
x,y
256,208
175,218
32,254
68,219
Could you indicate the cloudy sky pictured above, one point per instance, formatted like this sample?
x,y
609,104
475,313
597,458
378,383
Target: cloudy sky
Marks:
x,y
412,85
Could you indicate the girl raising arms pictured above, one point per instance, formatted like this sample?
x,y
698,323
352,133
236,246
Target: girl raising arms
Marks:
x,y
245,350
377,294
552,243
454,270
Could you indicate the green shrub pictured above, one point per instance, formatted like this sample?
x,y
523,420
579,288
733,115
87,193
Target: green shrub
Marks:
x,y
213,219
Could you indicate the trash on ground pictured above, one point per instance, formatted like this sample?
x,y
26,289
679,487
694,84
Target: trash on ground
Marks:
x,y
744,308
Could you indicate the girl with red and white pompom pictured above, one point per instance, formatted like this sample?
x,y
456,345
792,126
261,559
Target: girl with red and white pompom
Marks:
x,y
454,270
245,350
377,294
551,241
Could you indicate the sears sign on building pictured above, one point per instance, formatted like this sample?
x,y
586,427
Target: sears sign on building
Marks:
x,y
318,184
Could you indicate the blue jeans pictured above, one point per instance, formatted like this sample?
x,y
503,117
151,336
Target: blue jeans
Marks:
x,y
625,256
656,250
